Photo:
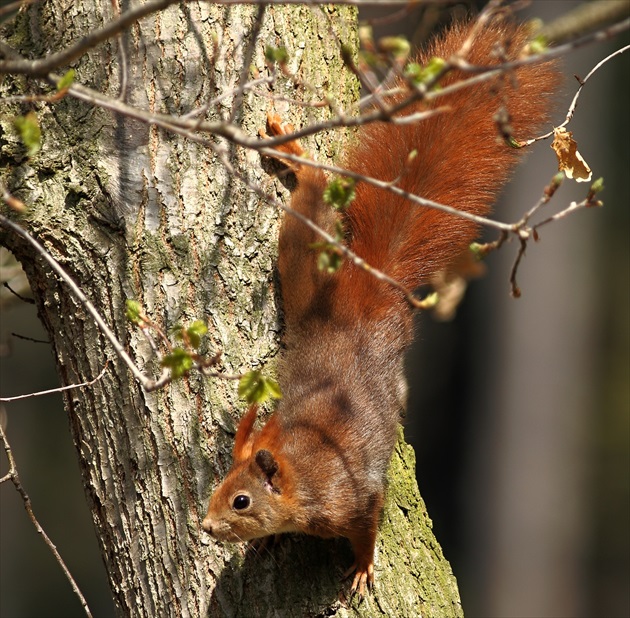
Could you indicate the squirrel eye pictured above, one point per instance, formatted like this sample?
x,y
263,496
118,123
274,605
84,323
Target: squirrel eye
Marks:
x,y
241,502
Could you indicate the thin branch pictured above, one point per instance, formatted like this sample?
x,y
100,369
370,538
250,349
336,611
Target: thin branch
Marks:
x,y
532,232
573,105
31,339
43,66
247,60
586,16
58,389
344,249
10,200
83,299
548,192
17,294
149,385
239,91
572,207
14,6
388,186
14,477
515,290
37,98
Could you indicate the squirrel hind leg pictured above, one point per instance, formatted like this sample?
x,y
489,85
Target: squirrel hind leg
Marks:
x,y
276,129
363,540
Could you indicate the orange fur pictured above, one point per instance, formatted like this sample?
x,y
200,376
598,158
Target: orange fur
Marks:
x,y
461,161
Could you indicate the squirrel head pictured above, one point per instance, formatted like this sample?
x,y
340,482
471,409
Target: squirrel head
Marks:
x,y
254,499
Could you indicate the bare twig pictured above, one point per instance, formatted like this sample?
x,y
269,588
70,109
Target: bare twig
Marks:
x,y
43,66
10,200
573,105
58,389
388,186
14,6
532,232
199,363
572,207
83,299
515,290
37,98
247,60
17,294
14,477
31,339
548,193
585,17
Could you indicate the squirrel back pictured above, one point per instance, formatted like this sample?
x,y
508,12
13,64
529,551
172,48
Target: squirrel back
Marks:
x,y
319,464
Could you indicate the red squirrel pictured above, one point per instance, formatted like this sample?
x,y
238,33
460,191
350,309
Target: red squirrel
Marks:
x,y
319,464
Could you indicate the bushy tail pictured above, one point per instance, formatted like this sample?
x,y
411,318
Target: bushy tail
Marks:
x,y
461,161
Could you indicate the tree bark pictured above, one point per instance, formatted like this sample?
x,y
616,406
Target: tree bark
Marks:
x,y
132,211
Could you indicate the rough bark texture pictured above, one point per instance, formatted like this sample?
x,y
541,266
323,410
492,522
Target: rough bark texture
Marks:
x,y
131,211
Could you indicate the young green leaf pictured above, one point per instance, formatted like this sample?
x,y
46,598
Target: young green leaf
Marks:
x,y
340,192
276,54
67,79
178,361
598,185
397,46
420,74
272,388
513,143
133,311
329,259
479,250
256,388
30,133
538,45
195,332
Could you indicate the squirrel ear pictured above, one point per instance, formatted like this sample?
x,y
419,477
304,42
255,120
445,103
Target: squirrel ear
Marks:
x,y
266,463
244,440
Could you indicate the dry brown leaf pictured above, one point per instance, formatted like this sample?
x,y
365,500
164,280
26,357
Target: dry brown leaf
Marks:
x,y
451,283
570,161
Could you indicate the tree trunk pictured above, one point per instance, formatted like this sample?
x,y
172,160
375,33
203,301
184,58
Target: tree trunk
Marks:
x,y
133,211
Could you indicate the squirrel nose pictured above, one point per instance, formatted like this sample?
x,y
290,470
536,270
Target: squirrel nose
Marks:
x,y
207,525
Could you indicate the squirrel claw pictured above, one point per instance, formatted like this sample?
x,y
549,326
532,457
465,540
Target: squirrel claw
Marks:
x,y
363,579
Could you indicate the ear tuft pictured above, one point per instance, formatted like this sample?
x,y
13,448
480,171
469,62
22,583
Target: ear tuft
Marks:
x,y
244,441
